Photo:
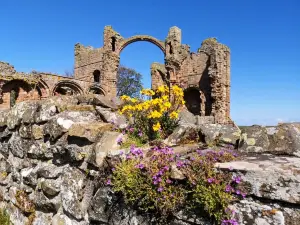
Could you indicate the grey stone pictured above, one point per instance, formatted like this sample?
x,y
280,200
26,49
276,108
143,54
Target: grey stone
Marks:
x,y
186,117
183,134
254,139
270,177
16,114
115,118
106,102
222,135
107,143
18,146
73,181
285,139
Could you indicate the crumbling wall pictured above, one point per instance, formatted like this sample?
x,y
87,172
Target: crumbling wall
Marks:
x,y
208,70
95,70
53,166
6,68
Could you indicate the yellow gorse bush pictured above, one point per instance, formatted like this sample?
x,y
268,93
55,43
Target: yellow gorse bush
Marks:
x,y
164,101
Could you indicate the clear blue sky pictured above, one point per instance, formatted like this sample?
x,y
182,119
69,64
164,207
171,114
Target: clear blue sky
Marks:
x,y
263,35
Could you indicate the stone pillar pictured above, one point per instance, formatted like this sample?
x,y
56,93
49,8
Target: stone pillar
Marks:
x,y
203,102
111,59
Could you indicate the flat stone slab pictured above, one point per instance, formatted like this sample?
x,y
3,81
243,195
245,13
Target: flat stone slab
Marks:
x,y
268,176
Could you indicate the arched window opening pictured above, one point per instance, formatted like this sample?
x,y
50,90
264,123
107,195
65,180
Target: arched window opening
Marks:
x,y
170,47
113,44
96,76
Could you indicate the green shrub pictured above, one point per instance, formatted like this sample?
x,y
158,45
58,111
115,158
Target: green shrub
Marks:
x,y
4,217
149,183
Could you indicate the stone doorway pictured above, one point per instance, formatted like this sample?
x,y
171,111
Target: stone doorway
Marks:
x,y
193,100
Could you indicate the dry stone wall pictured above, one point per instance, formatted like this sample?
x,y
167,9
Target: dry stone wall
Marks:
x,y
53,153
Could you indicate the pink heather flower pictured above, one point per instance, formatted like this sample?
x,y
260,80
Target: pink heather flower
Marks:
x,y
237,179
179,164
121,153
140,166
230,168
113,169
140,134
108,182
119,141
244,195
166,168
210,180
238,192
228,188
168,181
131,129
160,189
229,222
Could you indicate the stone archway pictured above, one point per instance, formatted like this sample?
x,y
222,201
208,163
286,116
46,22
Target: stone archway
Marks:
x,y
18,90
67,87
136,38
96,89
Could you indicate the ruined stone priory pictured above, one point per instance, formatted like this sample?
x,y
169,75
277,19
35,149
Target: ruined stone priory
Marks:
x,y
204,75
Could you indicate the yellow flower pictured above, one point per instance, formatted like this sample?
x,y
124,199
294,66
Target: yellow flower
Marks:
x,y
125,98
167,104
147,92
155,114
165,97
156,126
174,115
133,100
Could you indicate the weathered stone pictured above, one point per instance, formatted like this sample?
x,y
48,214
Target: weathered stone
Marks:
x,y
254,139
25,131
44,203
270,177
176,173
18,146
46,111
285,139
115,118
90,131
107,143
16,114
62,122
186,117
104,101
60,102
183,134
50,187
71,191
50,171
40,150
79,152
29,176
61,219
249,212
42,218
99,204
37,131
3,118
216,134
5,134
